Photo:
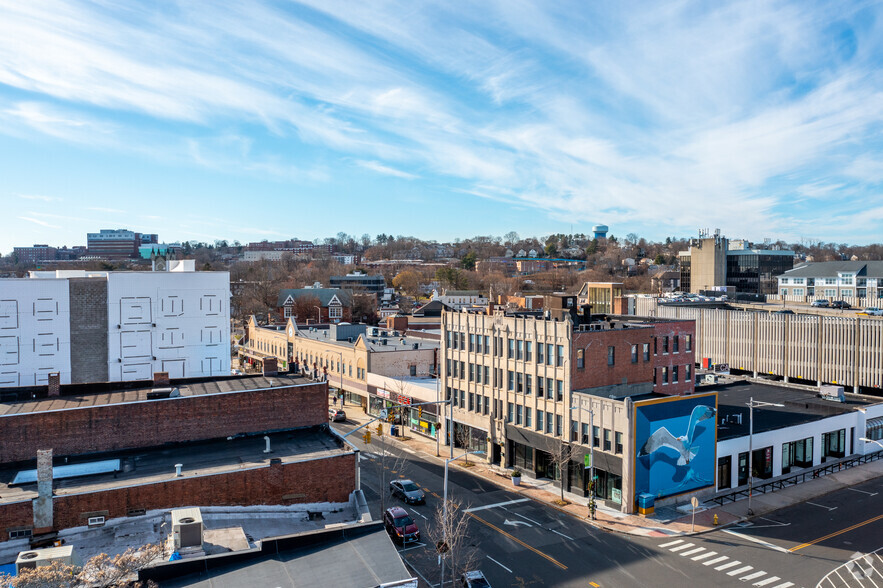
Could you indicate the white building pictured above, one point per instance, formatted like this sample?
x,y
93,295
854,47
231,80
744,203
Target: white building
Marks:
x,y
114,326
834,280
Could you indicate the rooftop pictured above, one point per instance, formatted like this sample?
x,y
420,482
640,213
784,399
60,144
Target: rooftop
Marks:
x,y
800,407
152,465
830,269
87,395
374,342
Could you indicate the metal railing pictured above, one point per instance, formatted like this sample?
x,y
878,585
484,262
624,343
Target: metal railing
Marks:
x,y
793,479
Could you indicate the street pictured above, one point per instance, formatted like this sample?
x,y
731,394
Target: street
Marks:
x,y
515,541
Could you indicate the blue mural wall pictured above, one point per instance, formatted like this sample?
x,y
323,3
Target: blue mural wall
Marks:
x,y
675,445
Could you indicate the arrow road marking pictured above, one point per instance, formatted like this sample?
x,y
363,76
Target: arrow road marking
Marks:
x,y
516,523
487,506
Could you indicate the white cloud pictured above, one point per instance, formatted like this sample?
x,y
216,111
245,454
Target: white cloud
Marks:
x,y
37,221
385,169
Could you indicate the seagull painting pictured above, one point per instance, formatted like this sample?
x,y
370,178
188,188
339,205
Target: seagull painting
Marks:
x,y
683,445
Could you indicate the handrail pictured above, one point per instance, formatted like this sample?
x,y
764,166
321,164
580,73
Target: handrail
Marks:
x,y
781,482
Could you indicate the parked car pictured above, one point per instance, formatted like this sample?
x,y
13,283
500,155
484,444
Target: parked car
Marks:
x,y
474,579
841,304
407,491
872,311
400,526
821,303
783,311
336,415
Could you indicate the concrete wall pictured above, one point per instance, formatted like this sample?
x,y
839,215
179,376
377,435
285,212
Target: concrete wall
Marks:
x,y
397,364
157,422
88,326
330,479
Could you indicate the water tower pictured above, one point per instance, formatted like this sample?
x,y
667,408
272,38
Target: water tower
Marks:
x,y
600,231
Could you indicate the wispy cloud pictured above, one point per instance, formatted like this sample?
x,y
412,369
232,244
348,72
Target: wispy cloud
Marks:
x,y
385,169
40,197
103,209
37,221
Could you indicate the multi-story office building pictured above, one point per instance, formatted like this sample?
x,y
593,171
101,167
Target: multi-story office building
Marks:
x,y
118,243
834,280
34,255
522,383
360,283
114,326
713,262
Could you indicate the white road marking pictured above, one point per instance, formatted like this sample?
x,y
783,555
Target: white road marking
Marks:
x,y
785,585
498,563
487,506
828,508
753,576
417,512
769,580
524,517
692,551
863,492
728,565
672,543
756,540
562,534
515,523
741,570
711,562
704,555
680,547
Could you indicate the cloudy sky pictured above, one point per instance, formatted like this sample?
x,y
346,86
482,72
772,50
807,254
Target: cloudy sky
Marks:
x,y
254,120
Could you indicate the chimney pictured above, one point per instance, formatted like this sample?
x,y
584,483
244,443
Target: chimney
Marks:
x,y
270,368
43,503
160,379
490,308
54,383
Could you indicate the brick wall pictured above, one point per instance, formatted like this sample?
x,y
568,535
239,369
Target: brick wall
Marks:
x,y
596,371
681,359
321,480
88,300
157,422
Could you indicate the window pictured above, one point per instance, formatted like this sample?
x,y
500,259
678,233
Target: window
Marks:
x,y
617,438
784,291
519,352
611,355
550,349
574,431
687,375
519,382
549,417
647,351
540,348
527,422
596,436
487,344
634,354
585,439
539,420
665,344
412,370
674,374
550,387
471,342
655,345
462,370
846,293
675,344
527,384
335,312
471,372
559,425
688,342
462,398
487,374
20,533
286,312
462,340
580,359
509,411
560,361
664,376
528,347
519,414
607,440
471,401
511,379
487,405
511,349
830,292
540,386
783,280
559,387
448,368
454,340
834,444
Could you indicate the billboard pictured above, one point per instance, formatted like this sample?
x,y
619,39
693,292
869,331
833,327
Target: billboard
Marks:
x,y
675,444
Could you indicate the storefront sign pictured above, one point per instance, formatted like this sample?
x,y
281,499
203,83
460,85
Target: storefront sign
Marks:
x,y
404,399
616,496
588,460
383,393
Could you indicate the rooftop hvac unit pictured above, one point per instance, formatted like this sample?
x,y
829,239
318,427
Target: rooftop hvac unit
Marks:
x,y
187,527
44,557
710,378
834,393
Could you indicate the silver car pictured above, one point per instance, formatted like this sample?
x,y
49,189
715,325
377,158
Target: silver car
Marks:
x,y
408,491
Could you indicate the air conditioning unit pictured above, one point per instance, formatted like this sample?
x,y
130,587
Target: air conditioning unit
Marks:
x,y
834,393
44,557
710,378
187,527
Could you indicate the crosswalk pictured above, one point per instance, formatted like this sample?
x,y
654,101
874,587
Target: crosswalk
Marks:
x,y
725,564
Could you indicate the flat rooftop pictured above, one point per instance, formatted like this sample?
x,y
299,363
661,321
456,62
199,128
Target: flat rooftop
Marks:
x,y
800,406
372,342
105,394
151,465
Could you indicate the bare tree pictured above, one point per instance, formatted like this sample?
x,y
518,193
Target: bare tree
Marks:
x,y
561,453
102,571
464,438
390,465
449,533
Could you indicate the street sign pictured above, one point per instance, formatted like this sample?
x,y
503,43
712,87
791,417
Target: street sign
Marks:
x,y
588,460
383,413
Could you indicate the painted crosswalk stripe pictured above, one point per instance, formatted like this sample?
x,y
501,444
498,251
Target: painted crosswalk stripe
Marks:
x,y
753,576
704,555
769,580
711,562
741,570
684,546
692,551
672,543
728,565
785,585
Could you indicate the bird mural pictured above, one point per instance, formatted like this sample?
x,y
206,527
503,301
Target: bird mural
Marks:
x,y
683,444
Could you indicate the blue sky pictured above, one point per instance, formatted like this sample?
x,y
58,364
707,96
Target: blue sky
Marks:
x,y
254,120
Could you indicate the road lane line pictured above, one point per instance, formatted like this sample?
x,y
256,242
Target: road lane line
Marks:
x,y
863,491
741,570
785,585
680,547
728,565
419,513
499,564
537,523
692,551
828,508
595,585
769,580
562,534
517,540
711,562
756,540
753,576
704,555
487,506
834,534
671,543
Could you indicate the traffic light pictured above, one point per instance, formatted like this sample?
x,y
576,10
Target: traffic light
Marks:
x,y
420,412
367,437
379,429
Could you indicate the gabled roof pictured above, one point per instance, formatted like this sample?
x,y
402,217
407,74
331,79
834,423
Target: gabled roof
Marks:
x,y
325,295
830,269
432,308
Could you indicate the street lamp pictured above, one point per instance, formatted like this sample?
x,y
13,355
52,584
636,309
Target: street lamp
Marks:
x,y
318,314
866,440
445,507
751,404
591,451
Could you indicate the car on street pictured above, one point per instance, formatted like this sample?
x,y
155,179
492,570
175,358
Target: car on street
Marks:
x,y
400,526
408,491
474,579
336,415
821,303
841,304
871,311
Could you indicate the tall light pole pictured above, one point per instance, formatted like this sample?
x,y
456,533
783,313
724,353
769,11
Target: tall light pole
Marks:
x,y
591,450
866,440
318,314
445,511
751,404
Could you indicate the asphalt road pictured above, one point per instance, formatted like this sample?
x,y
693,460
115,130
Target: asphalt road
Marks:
x,y
519,542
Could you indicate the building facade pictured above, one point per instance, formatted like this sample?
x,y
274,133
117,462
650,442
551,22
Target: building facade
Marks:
x,y
117,243
834,280
599,295
359,282
332,305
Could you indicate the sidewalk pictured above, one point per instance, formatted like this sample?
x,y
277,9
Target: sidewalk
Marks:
x,y
667,521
